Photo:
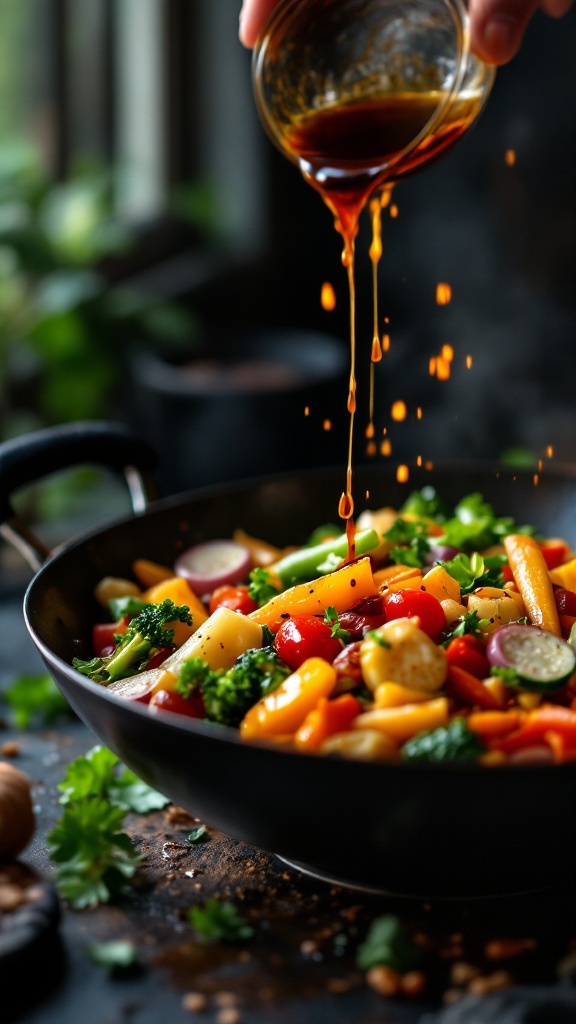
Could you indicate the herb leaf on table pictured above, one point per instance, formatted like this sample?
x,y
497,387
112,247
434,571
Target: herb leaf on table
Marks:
x,y
95,860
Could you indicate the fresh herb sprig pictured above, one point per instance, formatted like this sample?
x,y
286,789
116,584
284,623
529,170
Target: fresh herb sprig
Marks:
x,y
388,943
34,699
95,860
219,921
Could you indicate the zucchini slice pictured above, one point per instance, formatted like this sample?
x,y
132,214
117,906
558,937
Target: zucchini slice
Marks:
x,y
541,660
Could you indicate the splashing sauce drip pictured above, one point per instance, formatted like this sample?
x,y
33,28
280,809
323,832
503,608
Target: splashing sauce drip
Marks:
x,y
356,150
375,253
342,152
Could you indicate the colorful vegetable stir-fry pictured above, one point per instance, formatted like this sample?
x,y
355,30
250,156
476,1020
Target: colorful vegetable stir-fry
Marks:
x,y
451,636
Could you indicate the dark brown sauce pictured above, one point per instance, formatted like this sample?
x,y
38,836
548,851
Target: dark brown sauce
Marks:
x,y
344,153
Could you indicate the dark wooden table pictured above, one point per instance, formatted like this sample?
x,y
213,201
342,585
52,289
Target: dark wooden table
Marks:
x,y
300,965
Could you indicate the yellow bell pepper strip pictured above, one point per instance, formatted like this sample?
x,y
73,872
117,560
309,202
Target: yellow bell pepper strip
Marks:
x,y
284,710
111,587
564,575
326,719
149,573
342,589
262,553
440,584
393,695
532,578
391,574
178,590
403,722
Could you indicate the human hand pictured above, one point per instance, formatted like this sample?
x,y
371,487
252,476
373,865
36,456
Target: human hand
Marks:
x,y
496,26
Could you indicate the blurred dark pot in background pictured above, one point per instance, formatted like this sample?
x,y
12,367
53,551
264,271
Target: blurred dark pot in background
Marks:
x,y
258,403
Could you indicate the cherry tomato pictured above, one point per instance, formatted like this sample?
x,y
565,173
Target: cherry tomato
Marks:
x,y
305,636
410,604
171,700
103,641
236,598
565,601
368,615
468,652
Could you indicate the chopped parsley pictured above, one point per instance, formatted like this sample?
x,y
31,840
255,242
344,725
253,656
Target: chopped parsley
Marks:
x,y
388,943
260,587
331,619
95,860
35,699
219,921
452,742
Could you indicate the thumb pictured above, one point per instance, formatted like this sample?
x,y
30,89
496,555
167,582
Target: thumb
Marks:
x,y
497,27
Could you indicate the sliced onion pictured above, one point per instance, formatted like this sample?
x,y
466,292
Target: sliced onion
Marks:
x,y
213,564
138,687
440,553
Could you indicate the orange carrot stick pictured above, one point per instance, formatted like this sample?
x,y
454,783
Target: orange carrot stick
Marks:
x,y
530,573
491,724
537,724
469,690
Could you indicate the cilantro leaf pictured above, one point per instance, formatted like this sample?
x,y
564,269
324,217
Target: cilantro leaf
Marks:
x,y
36,699
98,774
472,571
411,541
387,942
469,623
474,526
118,956
426,504
199,835
453,742
94,858
331,619
219,921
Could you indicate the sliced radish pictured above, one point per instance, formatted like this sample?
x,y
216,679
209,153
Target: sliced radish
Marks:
x,y
541,660
212,564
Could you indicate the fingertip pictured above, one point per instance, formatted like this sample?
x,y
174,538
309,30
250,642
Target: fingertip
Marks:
x,y
498,40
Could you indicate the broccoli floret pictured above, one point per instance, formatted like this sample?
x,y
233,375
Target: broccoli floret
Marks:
x,y
261,589
453,742
145,635
229,694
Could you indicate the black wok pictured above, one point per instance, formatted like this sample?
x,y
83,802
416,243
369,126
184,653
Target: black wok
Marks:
x,y
431,831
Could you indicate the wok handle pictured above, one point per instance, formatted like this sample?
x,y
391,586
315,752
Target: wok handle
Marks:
x,y
27,459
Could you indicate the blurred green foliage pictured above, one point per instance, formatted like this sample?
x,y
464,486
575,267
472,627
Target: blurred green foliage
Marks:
x,y
65,332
